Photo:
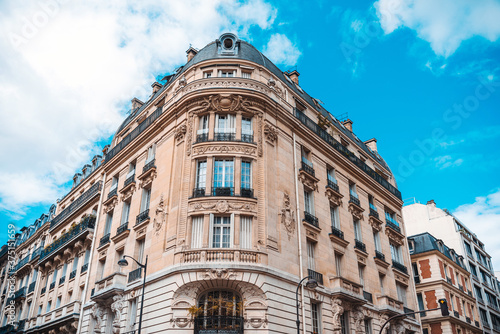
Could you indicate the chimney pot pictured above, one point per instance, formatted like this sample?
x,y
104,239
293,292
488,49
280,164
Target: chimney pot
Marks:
x,y
136,103
348,124
372,144
294,76
191,52
156,87
431,202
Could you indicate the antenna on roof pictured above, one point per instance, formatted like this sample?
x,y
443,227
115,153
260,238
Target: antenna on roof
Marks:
x,y
342,117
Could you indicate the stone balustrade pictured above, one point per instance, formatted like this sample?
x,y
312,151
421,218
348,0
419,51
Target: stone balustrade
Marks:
x,y
222,255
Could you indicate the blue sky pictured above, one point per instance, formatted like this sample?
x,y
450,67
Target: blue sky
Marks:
x,y
424,79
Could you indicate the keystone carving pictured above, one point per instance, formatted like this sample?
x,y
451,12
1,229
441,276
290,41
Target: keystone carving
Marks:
x,y
271,133
180,132
219,273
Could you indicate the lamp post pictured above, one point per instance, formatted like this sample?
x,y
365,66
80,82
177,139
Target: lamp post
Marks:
x,y
123,263
311,283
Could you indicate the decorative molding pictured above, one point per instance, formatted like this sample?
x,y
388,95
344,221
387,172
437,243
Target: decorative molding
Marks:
x,y
219,273
234,148
337,311
222,206
288,215
308,180
356,211
375,223
148,179
394,236
160,216
126,194
97,313
359,320
117,307
110,205
180,132
334,197
189,134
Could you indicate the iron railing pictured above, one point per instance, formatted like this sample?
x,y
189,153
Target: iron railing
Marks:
x,y
144,215
129,180
198,192
36,253
218,325
338,233
72,274
133,134
409,310
332,185
314,127
224,136
52,285
456,314
62,279
148,166
112,193
246,192
76,204
315,275
311,219
368,296
373,212
393,226
31,288
379,255
22,262
222,191
307,168
467,319
122,228
399,266
84,268
354,200
135,274
247,138
201,138
359,245
104,240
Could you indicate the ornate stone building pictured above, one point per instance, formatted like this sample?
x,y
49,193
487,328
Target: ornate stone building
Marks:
x,y
234,184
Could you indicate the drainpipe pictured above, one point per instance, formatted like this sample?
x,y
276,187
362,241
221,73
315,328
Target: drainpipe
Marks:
x,y
87,279
299,233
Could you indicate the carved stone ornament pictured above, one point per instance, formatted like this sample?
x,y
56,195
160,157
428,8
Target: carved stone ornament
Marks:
x,y
288,216
375,223
359,318
219,273
111,205
383,318
127,194
256,322
399,328
189,134
147,180
308,180
394,236
187,291
337,311
117,306
209,148
222,206
271,133
180,322
97,314
180,132
334,197
160,216
355,211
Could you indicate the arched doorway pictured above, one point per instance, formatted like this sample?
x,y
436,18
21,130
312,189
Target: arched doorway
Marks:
x,y
219,312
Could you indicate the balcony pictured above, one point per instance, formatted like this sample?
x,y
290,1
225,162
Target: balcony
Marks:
x,y
61,280
222,191
306,167
400,267
122,228
314,127
309,218
31,288
68,238
359,245
113,192
218,136
222,255
449,280
408,310
476,323
333,185
84,268
129,180
315,275
77,204
134,275
392,225
247,138
141,217
461,288
218,325
379,255
246,192
201,138
198,192
467,319
373,211
104,240
456,314
338,233
72,274
148,166
469,293
36,253
354,200
109,286
368,296
22,263
20,294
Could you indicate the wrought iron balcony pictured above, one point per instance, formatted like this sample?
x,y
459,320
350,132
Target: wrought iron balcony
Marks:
x,y
332,185
86,223
144,215
309,218
467,319
368,296
448,280
373,211
129,180
52,285
247,138
198,192
315,275
36,253
246,192
31,288
122,228
314,127
77,204
359,245
135,275
461,288
21,293
148,166
353,199
218,136
456,314
416,279
338,233
72,274
218,325
307,168
84,268
201,138
390,224
476,323
104,240
113,192
44,289
62,279
469,293
379,255
20,325
22,263
400,267
409,310
222,191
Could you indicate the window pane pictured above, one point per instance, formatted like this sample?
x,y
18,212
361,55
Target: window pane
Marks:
x,y
246,175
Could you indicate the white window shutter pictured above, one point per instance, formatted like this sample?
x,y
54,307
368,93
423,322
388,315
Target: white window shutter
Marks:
x,y
231,231
211,231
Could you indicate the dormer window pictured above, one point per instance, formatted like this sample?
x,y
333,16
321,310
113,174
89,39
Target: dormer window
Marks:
x,y
228,44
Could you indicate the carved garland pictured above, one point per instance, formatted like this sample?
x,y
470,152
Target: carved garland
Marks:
x,y
288,216
222,206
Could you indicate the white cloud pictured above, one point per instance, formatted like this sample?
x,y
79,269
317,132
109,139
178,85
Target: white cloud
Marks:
x,y
281,50
444,24
69,69
447,161
482,218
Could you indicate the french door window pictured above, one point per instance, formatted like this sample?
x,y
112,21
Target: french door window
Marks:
x,y
221,232
223,177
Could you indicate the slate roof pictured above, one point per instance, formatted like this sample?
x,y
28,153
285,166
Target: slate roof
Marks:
x,y
426,242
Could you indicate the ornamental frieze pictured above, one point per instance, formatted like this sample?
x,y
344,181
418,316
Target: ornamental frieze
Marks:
x,y
224,149
222,206
225,83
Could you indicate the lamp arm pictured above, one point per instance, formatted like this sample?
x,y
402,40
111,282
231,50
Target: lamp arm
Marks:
x,y
140,264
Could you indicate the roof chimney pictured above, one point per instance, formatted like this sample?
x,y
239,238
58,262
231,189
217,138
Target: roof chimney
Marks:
x,y
136,103
431,202
156,87
294,76
191,52
372,144
348,124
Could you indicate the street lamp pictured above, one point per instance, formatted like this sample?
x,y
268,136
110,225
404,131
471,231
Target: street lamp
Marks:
x,y
311,284
123,263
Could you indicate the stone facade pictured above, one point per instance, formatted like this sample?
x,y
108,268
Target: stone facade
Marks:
x,y
233,184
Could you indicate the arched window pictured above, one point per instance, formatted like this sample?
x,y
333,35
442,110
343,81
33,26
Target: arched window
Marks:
x,y
219,311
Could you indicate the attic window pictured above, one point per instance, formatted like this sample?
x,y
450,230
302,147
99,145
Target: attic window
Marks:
x,y
228,43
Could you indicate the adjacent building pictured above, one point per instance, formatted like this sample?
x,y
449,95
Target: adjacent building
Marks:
x,y
438,273
443,225
233,184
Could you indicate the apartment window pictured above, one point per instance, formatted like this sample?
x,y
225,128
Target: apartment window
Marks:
x,y
315,318
87,256
201,174
197,232
207,74
401,290
58,301
246,232
246,129
352,189
109,221
54,276
344,323
40,308
334,217
114,183
368,326
479,294
484,317
125,212
151,154
361,272
311,263
221,231
246,75
391,217
371,203
376,240
246,174
305,153
420,301
452,303
473,269
203,128
223,176
65,269
131,170
330,175
468,249
140,250
308,202
416,275
49,304
28,310
396,253
381,281
225,124
227,73
338,264
357,231
146,196
100,269
133,313
75,264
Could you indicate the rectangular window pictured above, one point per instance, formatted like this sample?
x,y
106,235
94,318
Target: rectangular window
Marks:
x,y
109,221
308,202
140,250
246,174
352,189
64,270
246,126
114,183
330,174
201,174
197,232
396,253
87,256
357,231
389,216
420,300
146,196
305,156
246,75
338,264
315,318
223,173
227,73
344,323
401,290
151,154
473,269
371,202
479,294
40,308
133,313
125,212
484,317
75,263
468,249
246,232
376,240
221,232
58,301
207,74
311,263
49,304
131,170
334,217
54,276
203,127
416,275
361,272
225,124
368,326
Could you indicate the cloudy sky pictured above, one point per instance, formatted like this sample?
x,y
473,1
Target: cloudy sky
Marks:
x,y
421,76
